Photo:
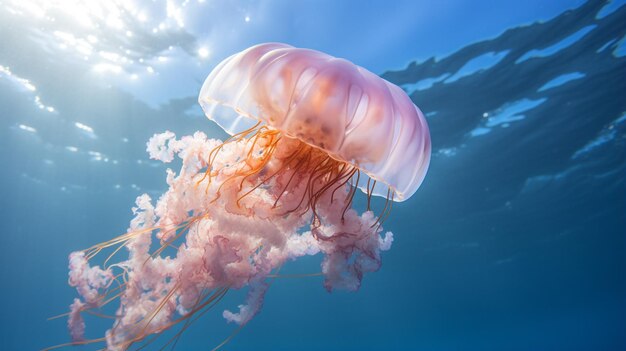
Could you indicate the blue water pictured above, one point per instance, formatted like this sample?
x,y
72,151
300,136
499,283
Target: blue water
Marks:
x,y
515,241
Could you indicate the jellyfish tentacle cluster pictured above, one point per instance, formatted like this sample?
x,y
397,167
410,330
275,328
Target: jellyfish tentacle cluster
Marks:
x,y
236,211
230,240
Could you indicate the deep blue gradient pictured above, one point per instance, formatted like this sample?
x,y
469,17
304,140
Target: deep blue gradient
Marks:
x,y
515,241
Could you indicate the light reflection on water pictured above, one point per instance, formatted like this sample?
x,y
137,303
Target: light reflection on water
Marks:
x,y
112,37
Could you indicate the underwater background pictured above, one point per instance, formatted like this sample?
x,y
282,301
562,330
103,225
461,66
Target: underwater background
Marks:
x,y
515,241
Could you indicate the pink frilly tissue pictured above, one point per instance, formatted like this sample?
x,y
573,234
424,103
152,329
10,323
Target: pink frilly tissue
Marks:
x,y
228,242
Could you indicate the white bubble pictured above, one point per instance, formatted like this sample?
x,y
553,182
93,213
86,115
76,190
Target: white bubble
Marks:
x,y
203,52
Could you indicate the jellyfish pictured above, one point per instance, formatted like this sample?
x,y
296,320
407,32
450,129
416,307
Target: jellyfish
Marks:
x,y
307,131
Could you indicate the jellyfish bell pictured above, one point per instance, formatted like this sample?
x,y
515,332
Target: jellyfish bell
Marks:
x,y
328,103
303,126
